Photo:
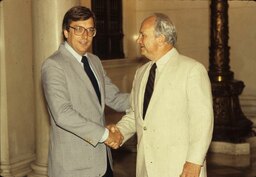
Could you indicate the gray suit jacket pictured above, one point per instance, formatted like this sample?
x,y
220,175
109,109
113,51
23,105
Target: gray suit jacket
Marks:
x,y
77,118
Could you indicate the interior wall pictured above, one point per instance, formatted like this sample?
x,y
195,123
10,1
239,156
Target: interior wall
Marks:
x,y
86,3
242,27
242,40
130,29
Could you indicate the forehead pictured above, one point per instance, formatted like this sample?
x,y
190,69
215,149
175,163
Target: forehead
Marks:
x,y
85,23
148,25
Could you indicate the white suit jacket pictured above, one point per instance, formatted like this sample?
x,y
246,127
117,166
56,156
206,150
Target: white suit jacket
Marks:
x,y
179,120
77,118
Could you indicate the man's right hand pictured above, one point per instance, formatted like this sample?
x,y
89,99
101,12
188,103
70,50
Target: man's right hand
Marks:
x,y
115,137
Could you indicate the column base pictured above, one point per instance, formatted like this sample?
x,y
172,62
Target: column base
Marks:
x,y
232,154
229,154
230,148
17,168
228,160
38,170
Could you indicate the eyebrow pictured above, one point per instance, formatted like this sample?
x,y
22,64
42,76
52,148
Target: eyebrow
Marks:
x,y
83,27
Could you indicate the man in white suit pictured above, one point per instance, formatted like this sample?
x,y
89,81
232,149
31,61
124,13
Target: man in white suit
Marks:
x,y
175,129
76,92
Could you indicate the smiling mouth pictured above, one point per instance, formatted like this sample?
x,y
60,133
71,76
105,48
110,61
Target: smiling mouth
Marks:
x,y
83,42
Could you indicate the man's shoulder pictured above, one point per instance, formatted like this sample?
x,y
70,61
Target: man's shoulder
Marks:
x,y
93,56
188,64
186,59
54,55
58,55
53,58
189,61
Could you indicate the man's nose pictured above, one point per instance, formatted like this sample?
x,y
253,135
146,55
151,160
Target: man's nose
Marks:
x,y
138,41
85,34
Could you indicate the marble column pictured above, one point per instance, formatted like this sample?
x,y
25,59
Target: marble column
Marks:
x,y
4,146
47,21
17,143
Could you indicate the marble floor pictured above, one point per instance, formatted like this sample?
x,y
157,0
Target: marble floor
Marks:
x,y
219,165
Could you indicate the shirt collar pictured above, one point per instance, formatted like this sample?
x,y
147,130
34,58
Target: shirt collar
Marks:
x,y
73,52
164,59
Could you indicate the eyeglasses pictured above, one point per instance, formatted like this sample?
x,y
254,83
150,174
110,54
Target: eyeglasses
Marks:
x,y
79,31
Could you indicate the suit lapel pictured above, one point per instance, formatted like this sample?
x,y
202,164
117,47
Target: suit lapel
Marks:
x,y
78,69
140,82
97,71
164,80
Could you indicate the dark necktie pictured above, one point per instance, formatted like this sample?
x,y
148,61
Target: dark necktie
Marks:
x,y
149,88
90,74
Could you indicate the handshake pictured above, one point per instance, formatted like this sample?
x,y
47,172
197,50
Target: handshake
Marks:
x,y
115,138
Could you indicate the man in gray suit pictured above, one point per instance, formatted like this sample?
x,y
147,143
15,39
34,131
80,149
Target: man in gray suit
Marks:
x,y
76,92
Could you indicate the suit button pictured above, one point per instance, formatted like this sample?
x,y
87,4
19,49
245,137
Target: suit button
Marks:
x,y
145,128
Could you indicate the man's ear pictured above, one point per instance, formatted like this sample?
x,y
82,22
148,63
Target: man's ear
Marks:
x,y
161,39
65,33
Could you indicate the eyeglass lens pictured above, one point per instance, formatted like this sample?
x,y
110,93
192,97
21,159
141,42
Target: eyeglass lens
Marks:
x,y
79,30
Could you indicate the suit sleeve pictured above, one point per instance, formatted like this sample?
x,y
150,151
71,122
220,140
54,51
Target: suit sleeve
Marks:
x,y
60,106
200,114
127,124
114,98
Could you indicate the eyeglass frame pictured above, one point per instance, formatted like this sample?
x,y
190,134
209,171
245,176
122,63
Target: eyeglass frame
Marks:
x,y
84,29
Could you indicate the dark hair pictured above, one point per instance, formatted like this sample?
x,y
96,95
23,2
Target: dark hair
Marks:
x,y
76,13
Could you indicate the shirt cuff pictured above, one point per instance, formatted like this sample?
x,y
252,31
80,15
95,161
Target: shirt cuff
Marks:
x,y
105,136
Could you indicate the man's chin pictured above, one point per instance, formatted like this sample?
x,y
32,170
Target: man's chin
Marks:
x,y
142,52
84,50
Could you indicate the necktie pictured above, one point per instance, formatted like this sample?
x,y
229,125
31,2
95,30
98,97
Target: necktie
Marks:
x,y
90,74
149,88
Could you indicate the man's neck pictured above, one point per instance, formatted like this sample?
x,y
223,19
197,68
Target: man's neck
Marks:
x,y
163,51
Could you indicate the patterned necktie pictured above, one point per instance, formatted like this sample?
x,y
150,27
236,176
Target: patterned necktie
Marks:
x,y
90,74
149,88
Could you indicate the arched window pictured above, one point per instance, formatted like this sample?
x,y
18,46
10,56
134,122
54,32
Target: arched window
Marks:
x,y
108,42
